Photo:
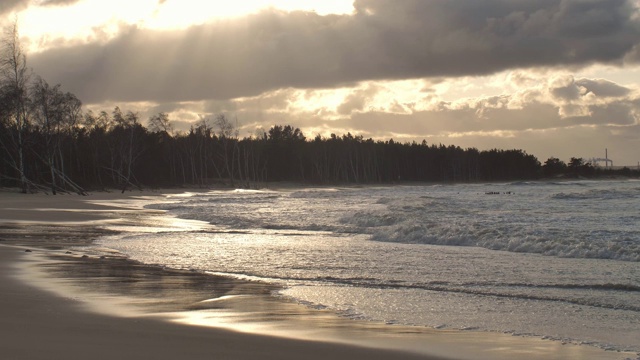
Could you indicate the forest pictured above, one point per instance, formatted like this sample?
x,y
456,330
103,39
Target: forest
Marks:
x,y
48,143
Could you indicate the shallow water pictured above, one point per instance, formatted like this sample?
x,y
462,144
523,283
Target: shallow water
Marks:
x,y
555,260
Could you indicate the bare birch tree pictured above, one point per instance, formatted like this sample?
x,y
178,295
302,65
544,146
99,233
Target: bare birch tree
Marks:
x,y
159,123
46,105
14,77
56,113
228,135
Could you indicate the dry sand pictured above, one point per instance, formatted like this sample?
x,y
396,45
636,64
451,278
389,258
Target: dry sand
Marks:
x,y
62,306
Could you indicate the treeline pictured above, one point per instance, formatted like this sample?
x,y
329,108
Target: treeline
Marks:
x,y
47,143
73,151
107,150
578,167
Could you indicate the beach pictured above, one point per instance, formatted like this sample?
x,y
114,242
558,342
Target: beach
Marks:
x,y
37,325
61,300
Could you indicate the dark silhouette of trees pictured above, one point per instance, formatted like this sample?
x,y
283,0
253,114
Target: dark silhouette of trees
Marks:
x,y
285,150
14,99
230,156
553,167
55,114
578,167
160,123
126,146
71,151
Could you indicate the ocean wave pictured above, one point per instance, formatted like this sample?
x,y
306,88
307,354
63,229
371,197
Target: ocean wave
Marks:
x,y
365,219
528,222
599,194
580,183
575,294
316,193
576,245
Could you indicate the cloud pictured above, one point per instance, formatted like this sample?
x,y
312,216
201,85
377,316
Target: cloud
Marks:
x,y
382,40
58,2
565,88
7,6
613,113
341,73
602,87
488,115
357,100
633,56
569,89
530,117
538,129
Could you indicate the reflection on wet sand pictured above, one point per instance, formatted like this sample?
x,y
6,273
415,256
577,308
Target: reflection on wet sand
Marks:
x,y
121,287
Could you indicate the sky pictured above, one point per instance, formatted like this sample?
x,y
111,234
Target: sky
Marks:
x,y
556,78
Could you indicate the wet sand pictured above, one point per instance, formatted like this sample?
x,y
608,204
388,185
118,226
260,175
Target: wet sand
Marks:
x,y
38,325
58,304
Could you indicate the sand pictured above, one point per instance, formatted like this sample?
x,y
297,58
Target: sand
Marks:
x,y
60,305
36,325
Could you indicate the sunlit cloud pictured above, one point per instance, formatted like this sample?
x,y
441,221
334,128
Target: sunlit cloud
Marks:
x,y
84,21
176,14
495,133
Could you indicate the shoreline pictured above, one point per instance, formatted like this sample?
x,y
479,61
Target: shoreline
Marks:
x,y
237,306
39,325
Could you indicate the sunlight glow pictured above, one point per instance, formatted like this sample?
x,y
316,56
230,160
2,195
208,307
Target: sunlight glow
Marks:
x,y
91,20
488,134
88,20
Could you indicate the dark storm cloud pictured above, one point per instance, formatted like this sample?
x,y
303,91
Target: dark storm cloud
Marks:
x,y
382,40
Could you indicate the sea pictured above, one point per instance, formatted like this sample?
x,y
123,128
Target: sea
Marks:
x,y
556,260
